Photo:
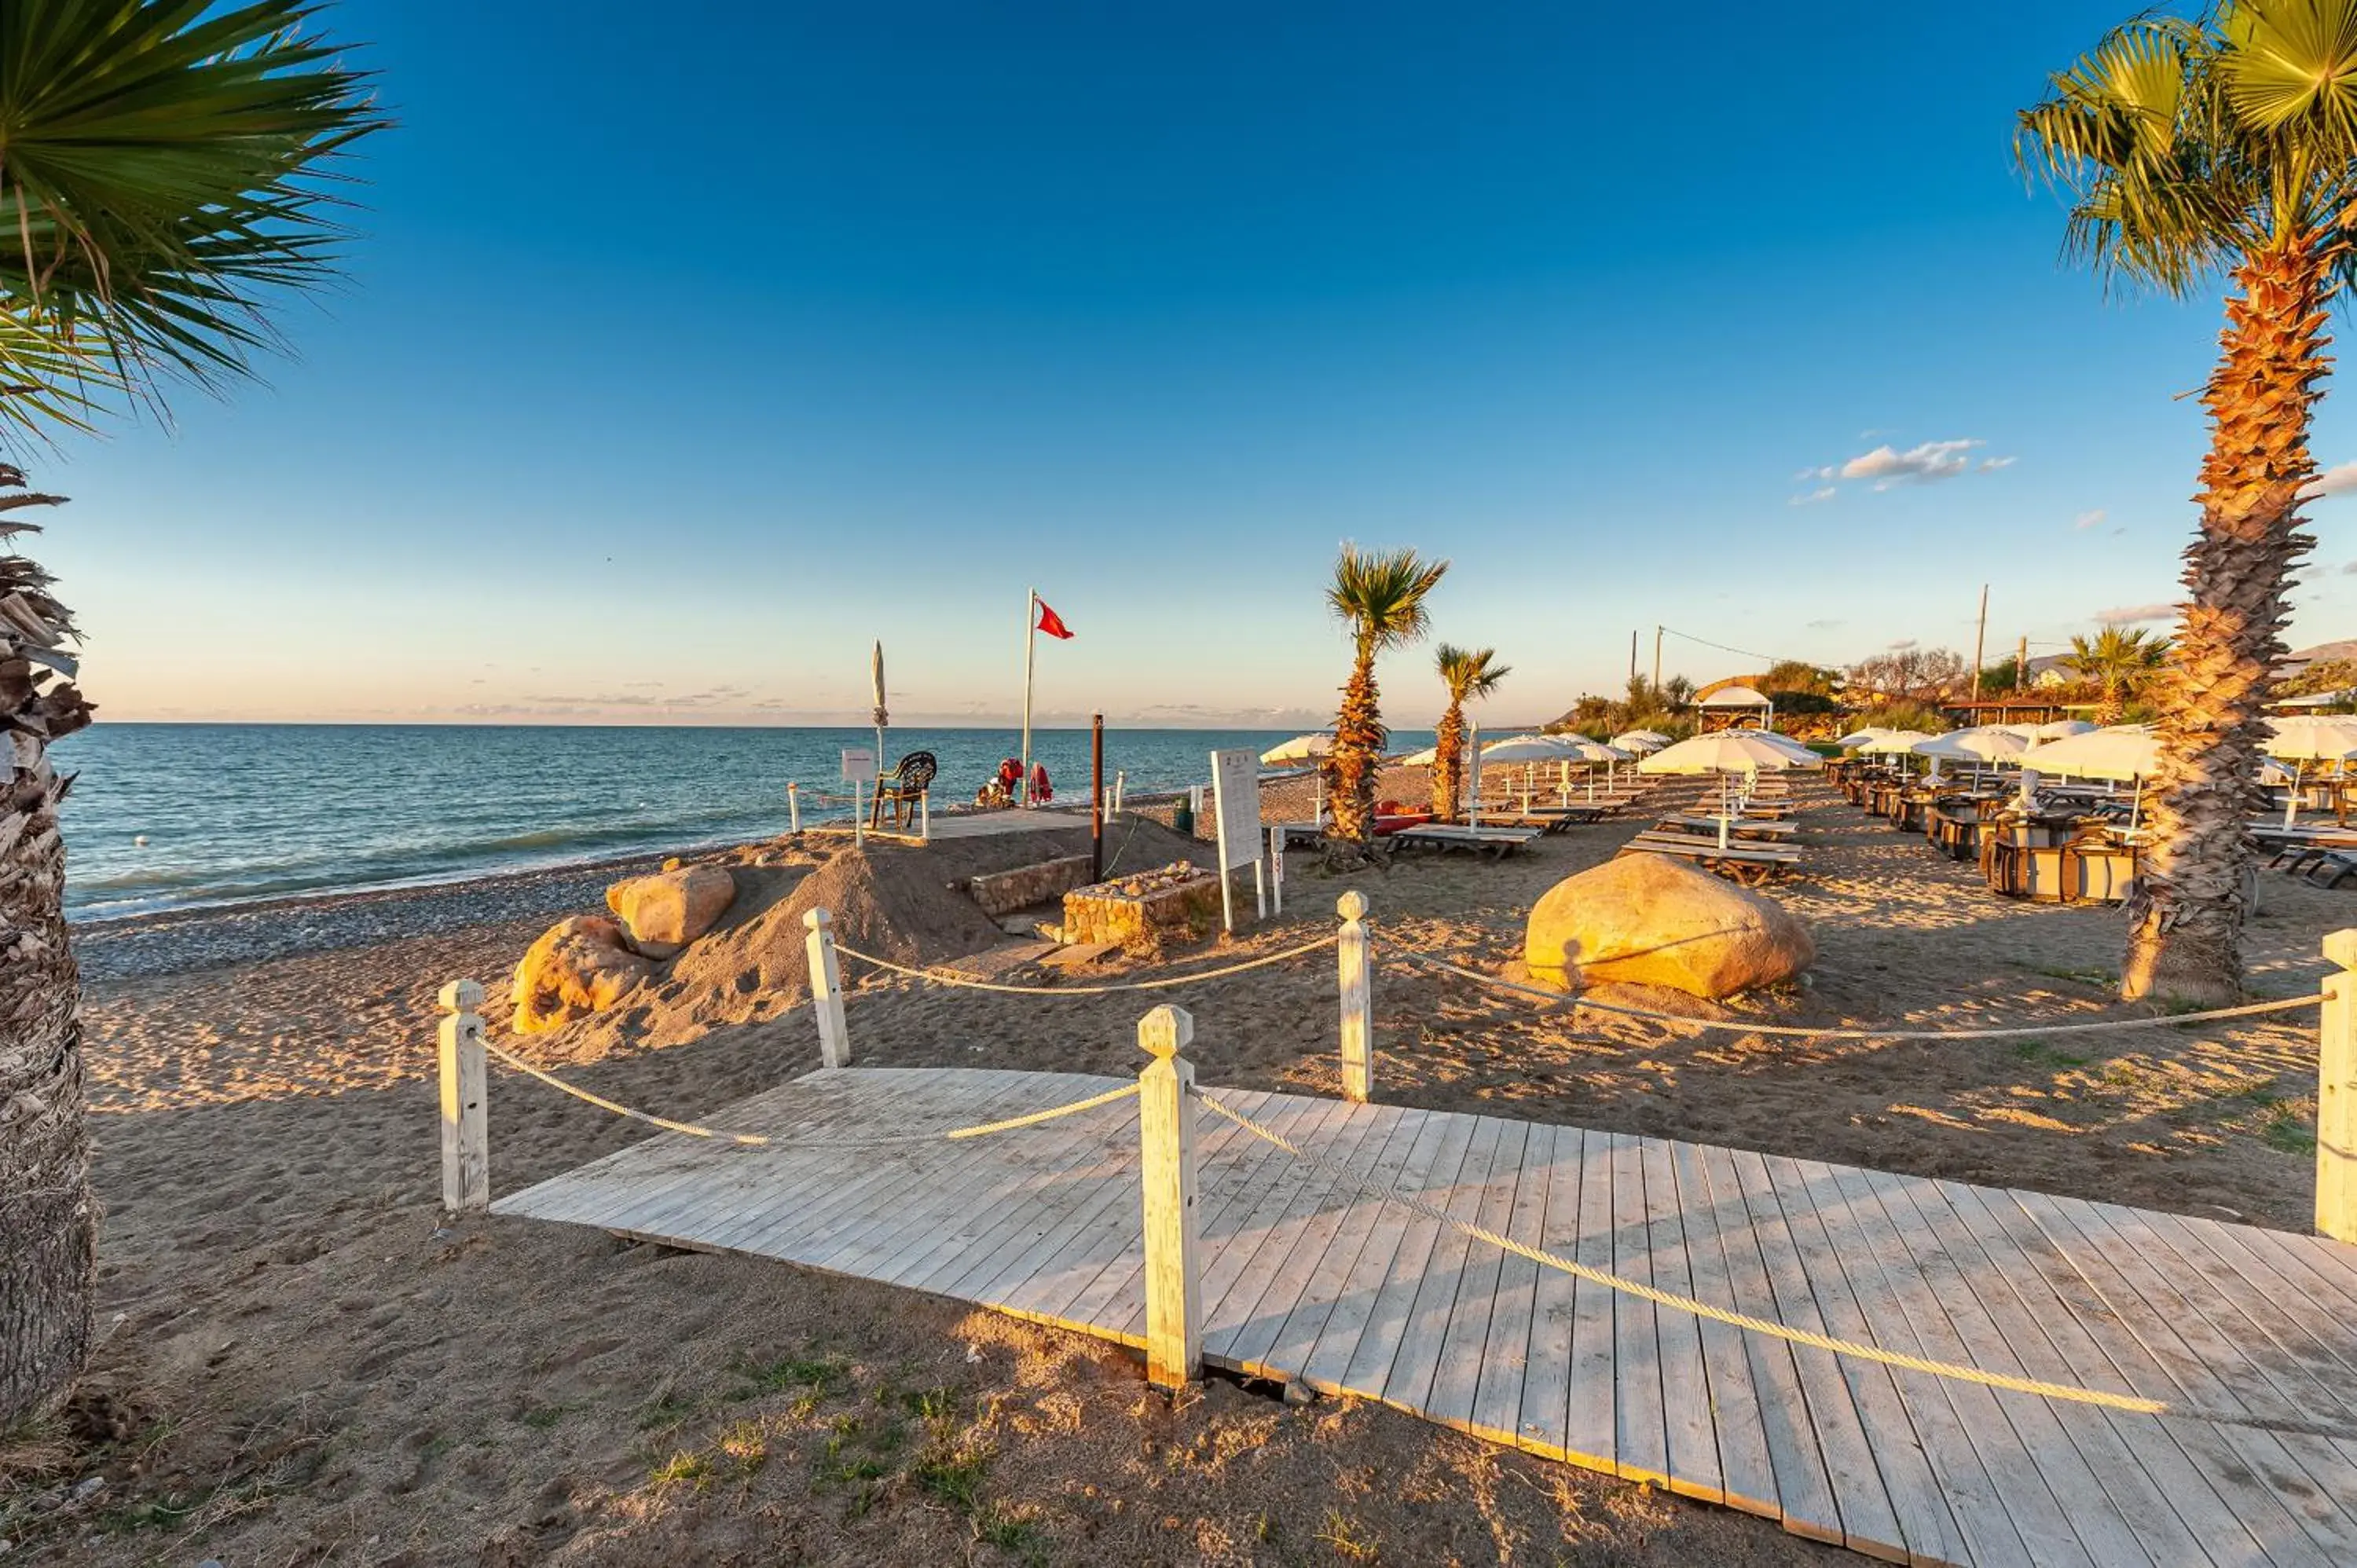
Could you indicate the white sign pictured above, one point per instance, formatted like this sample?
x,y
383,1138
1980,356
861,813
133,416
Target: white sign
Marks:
x,y
1235,803
858,765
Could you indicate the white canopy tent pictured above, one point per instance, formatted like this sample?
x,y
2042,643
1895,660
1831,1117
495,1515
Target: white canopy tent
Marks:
x,y
1739,700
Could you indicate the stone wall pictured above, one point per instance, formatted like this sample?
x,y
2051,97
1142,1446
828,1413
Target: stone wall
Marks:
x,y
1003,891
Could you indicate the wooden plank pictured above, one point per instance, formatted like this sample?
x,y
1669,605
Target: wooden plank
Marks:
x,y
1688,1406
1343,1216
1926,1530
1329,1291
2316,1345
1546,1378
1505,1357
1465,1321
1591,1420
1424,1327
1748,1478
1642,1432
1862,1507
1434,1159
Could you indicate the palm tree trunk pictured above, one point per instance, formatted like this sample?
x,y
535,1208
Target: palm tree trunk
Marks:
x,y
2185,938
49,1220
1449,763
1358,739
2112,709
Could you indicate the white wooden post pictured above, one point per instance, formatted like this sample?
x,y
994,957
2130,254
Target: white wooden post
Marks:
x,y
826,992
2336,1095
793,807
1166,1132
1358,999
1276,869
925,814
465,1139
1120,788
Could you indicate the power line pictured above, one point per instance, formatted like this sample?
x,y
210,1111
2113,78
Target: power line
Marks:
x,y
1746,652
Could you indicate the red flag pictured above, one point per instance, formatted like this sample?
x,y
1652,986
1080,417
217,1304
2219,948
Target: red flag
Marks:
x,y
1051,623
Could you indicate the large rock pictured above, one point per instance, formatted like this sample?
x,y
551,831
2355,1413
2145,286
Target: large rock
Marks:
x,y
578,967
666,912
1647,919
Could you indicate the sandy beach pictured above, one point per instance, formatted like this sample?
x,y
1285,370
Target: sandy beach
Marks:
x,y
302,1364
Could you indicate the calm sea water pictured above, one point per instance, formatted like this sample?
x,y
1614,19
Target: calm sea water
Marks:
x,y
242,812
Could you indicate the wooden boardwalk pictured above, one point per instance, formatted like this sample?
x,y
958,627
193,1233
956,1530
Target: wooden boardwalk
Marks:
x,y
2249,1336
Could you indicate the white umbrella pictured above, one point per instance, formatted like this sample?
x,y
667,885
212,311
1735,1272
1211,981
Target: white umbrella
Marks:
x,y
1427,757
1895,743
1785,743
1301,748
1745,751
2124,751
2060,728
1579,748
1985,744
1640,740
1859,740
2310,738
1528,749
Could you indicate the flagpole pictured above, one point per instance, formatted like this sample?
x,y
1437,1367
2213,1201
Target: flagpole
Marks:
x,y
1030,645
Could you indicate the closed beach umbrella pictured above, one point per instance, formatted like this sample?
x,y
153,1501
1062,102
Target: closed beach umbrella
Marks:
x,y
883,717
1301,748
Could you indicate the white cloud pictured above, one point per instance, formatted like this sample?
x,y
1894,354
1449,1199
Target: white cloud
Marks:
x,y
1903,644
1886,467
2090,519
2131,614
2334,481
1822,493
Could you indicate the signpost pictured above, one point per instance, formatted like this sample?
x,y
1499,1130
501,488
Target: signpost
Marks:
x,y
858,767
1236,801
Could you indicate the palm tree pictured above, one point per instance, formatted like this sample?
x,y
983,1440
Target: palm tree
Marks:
x,y
1381,598
2226,143
162,188
2118,662
1467,673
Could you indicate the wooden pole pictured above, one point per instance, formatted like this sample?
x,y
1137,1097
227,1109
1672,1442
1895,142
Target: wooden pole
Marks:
x,y
826,992
466,1138
1980,637
2336,1094
1166,1130
1096,799
1358,999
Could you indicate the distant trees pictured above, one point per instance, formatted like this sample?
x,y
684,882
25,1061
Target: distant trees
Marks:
x,y
2120,663
1908,674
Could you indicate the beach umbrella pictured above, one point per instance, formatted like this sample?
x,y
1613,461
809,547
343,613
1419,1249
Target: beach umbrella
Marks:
x,y
1640,741
1528,749
2122,752
1301,748
875,674
1579,748
1858,740
1895,743
1798,750
2060,728
1729,751
1986,743
2308,738
1429,756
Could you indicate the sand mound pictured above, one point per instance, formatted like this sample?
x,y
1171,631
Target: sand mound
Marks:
x,y
901,902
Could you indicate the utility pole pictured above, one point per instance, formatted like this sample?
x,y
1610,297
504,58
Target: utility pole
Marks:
x,y
1980,635
2021,665
1632,653
1657,659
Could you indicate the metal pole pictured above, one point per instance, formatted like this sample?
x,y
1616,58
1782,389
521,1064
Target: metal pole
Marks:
x,y
1980,633
1096,799
1030,614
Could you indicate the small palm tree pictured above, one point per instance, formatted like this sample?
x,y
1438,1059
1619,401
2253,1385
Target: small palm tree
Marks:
x,y
2226,143
161,187
2119,662
1381,598
1468,673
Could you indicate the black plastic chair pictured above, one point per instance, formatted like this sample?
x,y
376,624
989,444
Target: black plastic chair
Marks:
x,y
909,781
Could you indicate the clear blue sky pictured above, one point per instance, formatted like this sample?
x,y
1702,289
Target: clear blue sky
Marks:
x,y
689,348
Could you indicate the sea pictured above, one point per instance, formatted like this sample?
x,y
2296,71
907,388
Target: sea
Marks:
x,y
166,816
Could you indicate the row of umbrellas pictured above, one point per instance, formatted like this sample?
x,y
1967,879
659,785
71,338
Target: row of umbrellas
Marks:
x,y
1515,748
2081,750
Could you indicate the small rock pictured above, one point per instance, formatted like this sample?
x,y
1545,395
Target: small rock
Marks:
x,y
87,1487
1297,1394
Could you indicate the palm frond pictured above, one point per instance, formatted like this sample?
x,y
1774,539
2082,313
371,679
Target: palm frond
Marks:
x,y
1468,673
1381,596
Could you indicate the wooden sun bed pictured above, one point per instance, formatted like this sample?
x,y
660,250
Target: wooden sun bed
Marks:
x,y
1457,835
1738,827
1746,863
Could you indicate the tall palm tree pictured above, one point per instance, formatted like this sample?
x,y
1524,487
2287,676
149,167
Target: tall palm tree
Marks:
x,y
1468,673
2226,143
2118,662
1381,598
162,188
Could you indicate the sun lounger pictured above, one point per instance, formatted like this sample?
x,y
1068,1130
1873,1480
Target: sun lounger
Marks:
x,y
1738,827
1746,863
1483,840
1546,819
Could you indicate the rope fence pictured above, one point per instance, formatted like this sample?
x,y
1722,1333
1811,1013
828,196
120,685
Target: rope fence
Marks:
x,y
969,983
766,1140
1740,1026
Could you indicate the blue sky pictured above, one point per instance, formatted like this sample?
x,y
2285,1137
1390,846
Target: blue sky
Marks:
x,y
688,348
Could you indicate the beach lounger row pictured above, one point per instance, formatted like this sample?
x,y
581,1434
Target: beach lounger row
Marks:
x,y
1748,862
1484,840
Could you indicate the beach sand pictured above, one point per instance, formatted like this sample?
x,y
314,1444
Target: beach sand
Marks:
x,y
302,1366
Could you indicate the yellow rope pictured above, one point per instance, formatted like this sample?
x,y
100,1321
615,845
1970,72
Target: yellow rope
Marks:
x,y
763,1140
937,977
1687,1304
1739,1026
